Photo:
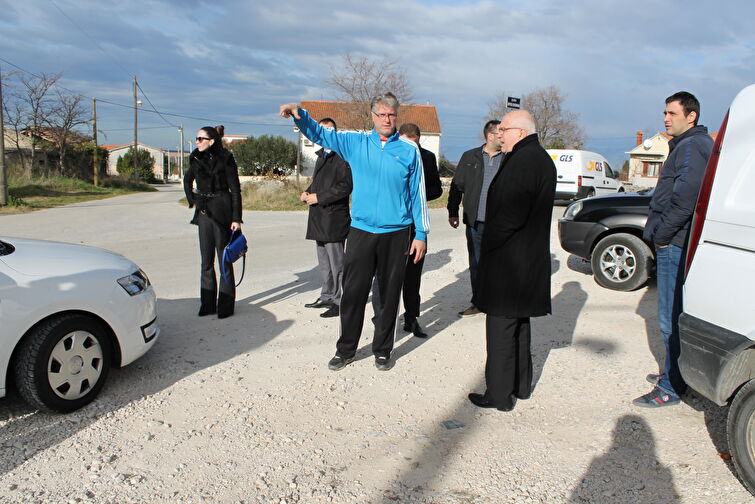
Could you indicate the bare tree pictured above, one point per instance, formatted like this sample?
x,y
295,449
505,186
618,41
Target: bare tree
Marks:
x,y
13,116
358,79
558,128
67,113
35,97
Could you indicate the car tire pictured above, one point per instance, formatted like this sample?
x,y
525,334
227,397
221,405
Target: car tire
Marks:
x,y
621,262
740,431
63,363
621,190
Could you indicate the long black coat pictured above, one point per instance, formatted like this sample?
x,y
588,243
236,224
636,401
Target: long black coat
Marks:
x,y
215,173
514,272
329,219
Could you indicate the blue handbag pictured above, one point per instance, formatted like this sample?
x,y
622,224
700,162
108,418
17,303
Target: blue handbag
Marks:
x,y
235,250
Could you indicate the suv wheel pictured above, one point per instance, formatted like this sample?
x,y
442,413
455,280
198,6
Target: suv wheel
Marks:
x,y
740,430
621,262
63,363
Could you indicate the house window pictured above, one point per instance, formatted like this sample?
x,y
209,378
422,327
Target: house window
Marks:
x,y
651,169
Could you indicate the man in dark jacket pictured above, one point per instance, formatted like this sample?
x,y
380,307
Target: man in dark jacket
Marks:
x,y
329,221
475,171
413,273
513,281
667,228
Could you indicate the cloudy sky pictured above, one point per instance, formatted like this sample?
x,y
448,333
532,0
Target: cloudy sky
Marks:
x,y
235,62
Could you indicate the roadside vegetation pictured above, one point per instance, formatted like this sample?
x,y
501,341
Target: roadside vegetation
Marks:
x,y
283,195
27,195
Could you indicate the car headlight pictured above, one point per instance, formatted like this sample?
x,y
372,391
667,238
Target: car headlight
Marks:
x,y
572,210
135,283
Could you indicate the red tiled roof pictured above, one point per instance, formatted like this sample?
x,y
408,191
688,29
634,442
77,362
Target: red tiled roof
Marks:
x,y
351,116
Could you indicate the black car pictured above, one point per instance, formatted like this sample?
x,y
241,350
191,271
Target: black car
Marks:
x,y
607,231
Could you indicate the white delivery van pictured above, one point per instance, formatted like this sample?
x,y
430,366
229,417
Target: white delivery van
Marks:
x,y
582,174
717,326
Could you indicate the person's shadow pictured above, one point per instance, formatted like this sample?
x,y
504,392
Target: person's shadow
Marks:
x,y
432,317
187,344
629,472
556,330
305,281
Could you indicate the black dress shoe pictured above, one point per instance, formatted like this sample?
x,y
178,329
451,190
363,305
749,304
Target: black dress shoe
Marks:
x,y
481,401
319,303
206,311
333,311
413,327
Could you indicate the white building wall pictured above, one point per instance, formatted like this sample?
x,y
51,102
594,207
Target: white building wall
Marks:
x,y
157,155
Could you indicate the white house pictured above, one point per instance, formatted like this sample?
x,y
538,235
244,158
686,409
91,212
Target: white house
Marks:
x,y
350,116
647,158
116,151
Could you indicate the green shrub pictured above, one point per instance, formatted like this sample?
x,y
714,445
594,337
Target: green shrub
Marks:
x,y
265,155
144,164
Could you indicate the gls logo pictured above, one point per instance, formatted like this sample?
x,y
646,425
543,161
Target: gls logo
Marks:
x,y
566,158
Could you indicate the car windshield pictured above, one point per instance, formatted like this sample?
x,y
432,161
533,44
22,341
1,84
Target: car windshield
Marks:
x,y
6,248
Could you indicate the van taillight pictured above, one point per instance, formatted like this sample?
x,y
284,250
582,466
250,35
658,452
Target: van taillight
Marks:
x,y
701,208
579,180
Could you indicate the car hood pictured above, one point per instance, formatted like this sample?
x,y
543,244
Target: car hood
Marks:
x,y
47,258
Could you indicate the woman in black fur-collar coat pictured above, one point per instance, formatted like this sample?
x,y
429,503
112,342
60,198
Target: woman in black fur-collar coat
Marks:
x,y
217,199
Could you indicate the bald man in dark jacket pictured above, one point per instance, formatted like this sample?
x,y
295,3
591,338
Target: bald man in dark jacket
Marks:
x,y
513,282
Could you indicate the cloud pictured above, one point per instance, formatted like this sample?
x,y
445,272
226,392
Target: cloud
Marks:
x,y
615,61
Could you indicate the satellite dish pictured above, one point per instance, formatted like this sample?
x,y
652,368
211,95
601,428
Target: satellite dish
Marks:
x,y
647,144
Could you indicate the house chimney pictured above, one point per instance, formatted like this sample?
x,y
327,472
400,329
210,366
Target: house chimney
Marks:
x,y
639,138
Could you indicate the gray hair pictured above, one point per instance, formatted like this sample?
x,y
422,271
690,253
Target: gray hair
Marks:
x,y
388,99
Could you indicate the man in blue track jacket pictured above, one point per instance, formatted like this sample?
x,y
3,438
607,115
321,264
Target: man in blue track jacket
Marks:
x,y
387,199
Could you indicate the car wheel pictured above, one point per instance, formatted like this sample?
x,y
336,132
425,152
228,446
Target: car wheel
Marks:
x,y
591,192
621,262
740,430
621,189
63,363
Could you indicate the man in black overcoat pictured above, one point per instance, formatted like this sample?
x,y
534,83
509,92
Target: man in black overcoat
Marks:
x,y
515,264
329,221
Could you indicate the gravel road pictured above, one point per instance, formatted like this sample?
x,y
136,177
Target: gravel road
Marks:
x,y
244,410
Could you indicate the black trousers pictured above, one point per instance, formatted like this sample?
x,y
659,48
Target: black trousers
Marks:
x,y
368,255
412,280
508,368
212,241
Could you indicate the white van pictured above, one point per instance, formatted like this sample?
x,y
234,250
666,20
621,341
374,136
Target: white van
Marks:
x,y
717,326
582,174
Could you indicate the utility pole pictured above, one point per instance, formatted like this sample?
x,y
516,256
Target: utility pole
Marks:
x,y
298,154
181,152
3,172
136,129
95,154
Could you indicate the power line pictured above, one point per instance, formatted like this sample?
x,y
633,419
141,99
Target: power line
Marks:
x,y
114,60
153,107
131,107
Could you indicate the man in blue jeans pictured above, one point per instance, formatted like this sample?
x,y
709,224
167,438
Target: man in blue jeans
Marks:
x,y
667,227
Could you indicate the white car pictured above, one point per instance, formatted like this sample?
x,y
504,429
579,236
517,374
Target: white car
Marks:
x,y
67,314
